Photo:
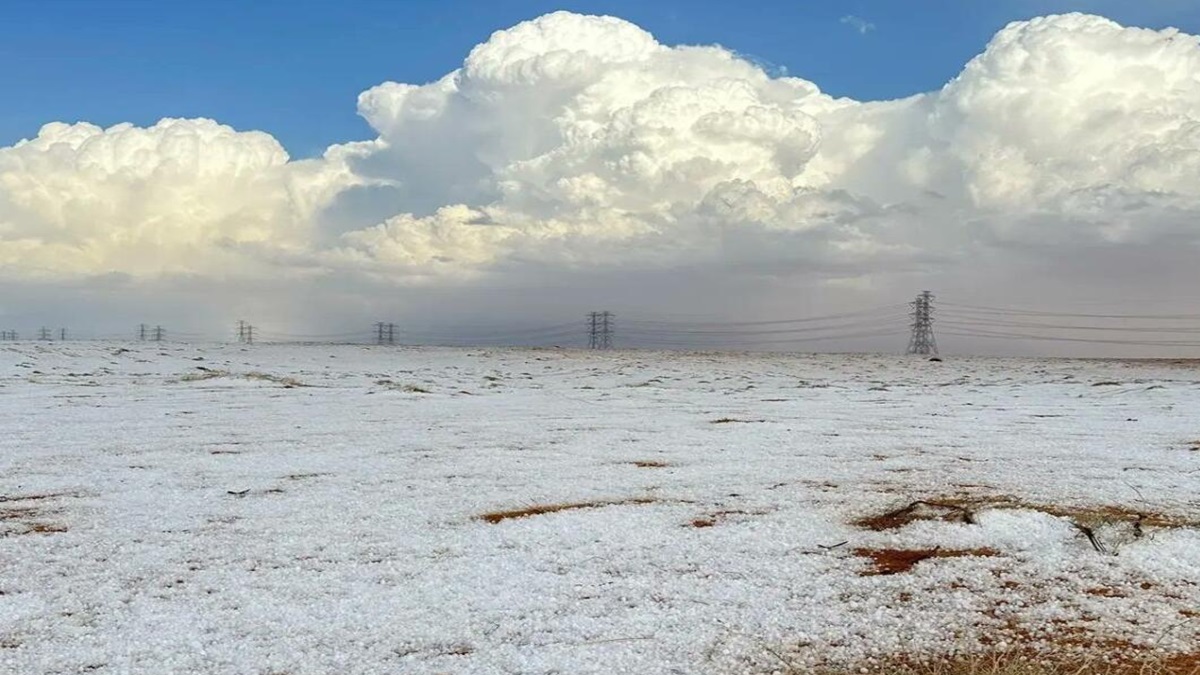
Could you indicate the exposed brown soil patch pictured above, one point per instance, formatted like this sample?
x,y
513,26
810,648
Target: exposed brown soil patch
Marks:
x,y
649,464
962,509
895,561
19,513
37,497
1105,592
46,528
950,510
732,420
1033,661
543,509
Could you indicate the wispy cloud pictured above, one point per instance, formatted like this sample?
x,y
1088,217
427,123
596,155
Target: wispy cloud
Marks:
x,y
858,23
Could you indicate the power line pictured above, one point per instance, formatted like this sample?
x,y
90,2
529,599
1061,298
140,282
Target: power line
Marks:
x,y
1034,312
1048,326
1053,338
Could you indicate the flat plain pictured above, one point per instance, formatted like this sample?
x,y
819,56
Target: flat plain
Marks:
x,y
294,509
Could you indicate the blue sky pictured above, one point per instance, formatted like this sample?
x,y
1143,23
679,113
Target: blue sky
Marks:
x,y
293,68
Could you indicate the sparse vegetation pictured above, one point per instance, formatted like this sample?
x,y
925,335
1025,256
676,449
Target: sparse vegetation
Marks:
x,y
203,375
500,516
649,464
211,374
963,509
895,561
407,388
286,382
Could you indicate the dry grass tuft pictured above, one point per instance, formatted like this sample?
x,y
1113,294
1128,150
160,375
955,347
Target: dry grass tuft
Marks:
x,y
285,382
949,509
732,420
19,513
17,518
649,464
45,528
37,497
407,388
896,561
543,509
210,374
206,374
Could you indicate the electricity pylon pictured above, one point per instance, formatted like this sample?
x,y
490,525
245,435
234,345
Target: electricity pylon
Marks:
x,y
922,341
600,330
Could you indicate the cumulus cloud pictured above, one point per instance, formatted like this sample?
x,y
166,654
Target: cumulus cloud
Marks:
x,y
182,196
577,143
573,138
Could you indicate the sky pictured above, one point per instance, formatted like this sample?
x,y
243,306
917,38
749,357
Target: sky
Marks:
x,y
318,164
294,67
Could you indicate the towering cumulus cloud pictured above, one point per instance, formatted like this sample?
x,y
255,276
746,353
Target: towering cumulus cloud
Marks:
x,y
578,142
183,196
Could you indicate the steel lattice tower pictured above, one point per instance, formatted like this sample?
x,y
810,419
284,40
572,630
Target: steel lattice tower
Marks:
x,y
600,330
385,333
922,341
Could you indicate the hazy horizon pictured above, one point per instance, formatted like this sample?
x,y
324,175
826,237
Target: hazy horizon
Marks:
x,y
577,161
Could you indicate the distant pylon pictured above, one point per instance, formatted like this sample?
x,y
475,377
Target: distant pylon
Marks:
x,y
922,341
159,334
385,333
245,333
45,334
600,330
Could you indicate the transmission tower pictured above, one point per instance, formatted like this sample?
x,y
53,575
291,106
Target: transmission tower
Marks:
x,y
922,341
141,332
600,330
45,334
385,333
245,333
159,334
8,335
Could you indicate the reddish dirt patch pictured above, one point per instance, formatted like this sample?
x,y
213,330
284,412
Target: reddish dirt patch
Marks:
x,y
888,561
962,509
1105,592
703,522
543,509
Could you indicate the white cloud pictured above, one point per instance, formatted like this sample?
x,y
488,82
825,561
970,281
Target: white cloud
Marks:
x,y
183,196
575,143
858,23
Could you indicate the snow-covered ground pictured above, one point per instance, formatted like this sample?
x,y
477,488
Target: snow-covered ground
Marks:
x,y
316,509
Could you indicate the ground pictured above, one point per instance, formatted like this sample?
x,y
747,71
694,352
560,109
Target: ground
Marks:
x,y
316,509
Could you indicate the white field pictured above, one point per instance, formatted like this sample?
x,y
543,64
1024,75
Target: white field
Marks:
x,y
157,523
